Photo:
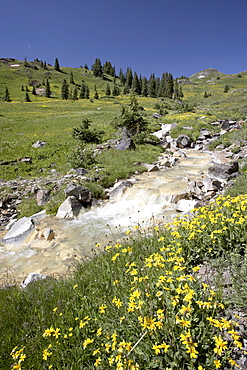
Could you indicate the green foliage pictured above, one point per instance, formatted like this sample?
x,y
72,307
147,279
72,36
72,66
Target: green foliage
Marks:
x,y
27,98
85,134
131,118
65,90
96,189
7,95
56,65
81,157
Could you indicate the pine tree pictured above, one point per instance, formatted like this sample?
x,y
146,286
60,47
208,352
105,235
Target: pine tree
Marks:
x,y
87,92
27,99
121,77
108,90
96,95
56,65
129,78
41,64
144,83
25,62
226,89
72,78
65,90
34,91
136,87
75,94
152,86
45,65
97,68
7,95
47,89
82,91
115,90
22,88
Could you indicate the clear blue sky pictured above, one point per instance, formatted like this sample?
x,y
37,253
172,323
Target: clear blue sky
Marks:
x,y
150,36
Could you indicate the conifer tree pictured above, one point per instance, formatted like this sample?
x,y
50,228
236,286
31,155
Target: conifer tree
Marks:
x,y
56,65
27,98
25,62
136,87
22,88
75,94
65,90
129,78
152,86
144,83
121,77
82,91
45,65
47,89
96,95
115,90
34,91
7,95
97,68
72,78
108,90
87,92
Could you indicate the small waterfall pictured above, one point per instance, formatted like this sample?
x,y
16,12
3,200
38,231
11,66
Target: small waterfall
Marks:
x,y
147,201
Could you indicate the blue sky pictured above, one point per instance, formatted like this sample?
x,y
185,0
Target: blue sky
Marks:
x,y
150,36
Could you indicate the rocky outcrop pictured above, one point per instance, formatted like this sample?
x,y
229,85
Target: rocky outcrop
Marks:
x,y
126,144
70,208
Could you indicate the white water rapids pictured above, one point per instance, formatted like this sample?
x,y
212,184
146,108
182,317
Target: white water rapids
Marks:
x,y
146,202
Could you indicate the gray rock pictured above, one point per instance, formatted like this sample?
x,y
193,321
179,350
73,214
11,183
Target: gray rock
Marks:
x,y
223,171
185,205
183,141
70,208
42,197
126,144
212,184
32,277
80,193
120,189
39,144
49,234
19,231
81,171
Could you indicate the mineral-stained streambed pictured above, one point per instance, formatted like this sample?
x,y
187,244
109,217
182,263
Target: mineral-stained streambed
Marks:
x,y
146,203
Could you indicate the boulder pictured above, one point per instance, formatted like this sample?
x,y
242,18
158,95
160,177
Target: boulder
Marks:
x,y
152,167
157,115
39,144
126,144
223,171
49,234
185,205
177,197
212,184
70,208
120,189
81,171
183,141
80,193
32,277
19,231
42,197
225,125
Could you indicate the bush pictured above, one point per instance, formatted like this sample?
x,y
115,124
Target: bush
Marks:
x,y
85,134
81,157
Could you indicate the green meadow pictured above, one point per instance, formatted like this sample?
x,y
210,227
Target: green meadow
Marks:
x,y
140,304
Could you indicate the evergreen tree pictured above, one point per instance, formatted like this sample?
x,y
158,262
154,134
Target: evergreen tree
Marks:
x,y
27,98
176,94
56,65
169,87
108,69
152,86
22,88
226,89
144,83
136,87
108,90
72,78
115,90
181,92
96,95
121,77
85,66
75,94
7,95
41,64
65,90
87,92
34,91
47,89
129,78
82,90
45,65
97,68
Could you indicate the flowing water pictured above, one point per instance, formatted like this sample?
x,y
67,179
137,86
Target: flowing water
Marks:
x,y
147,202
